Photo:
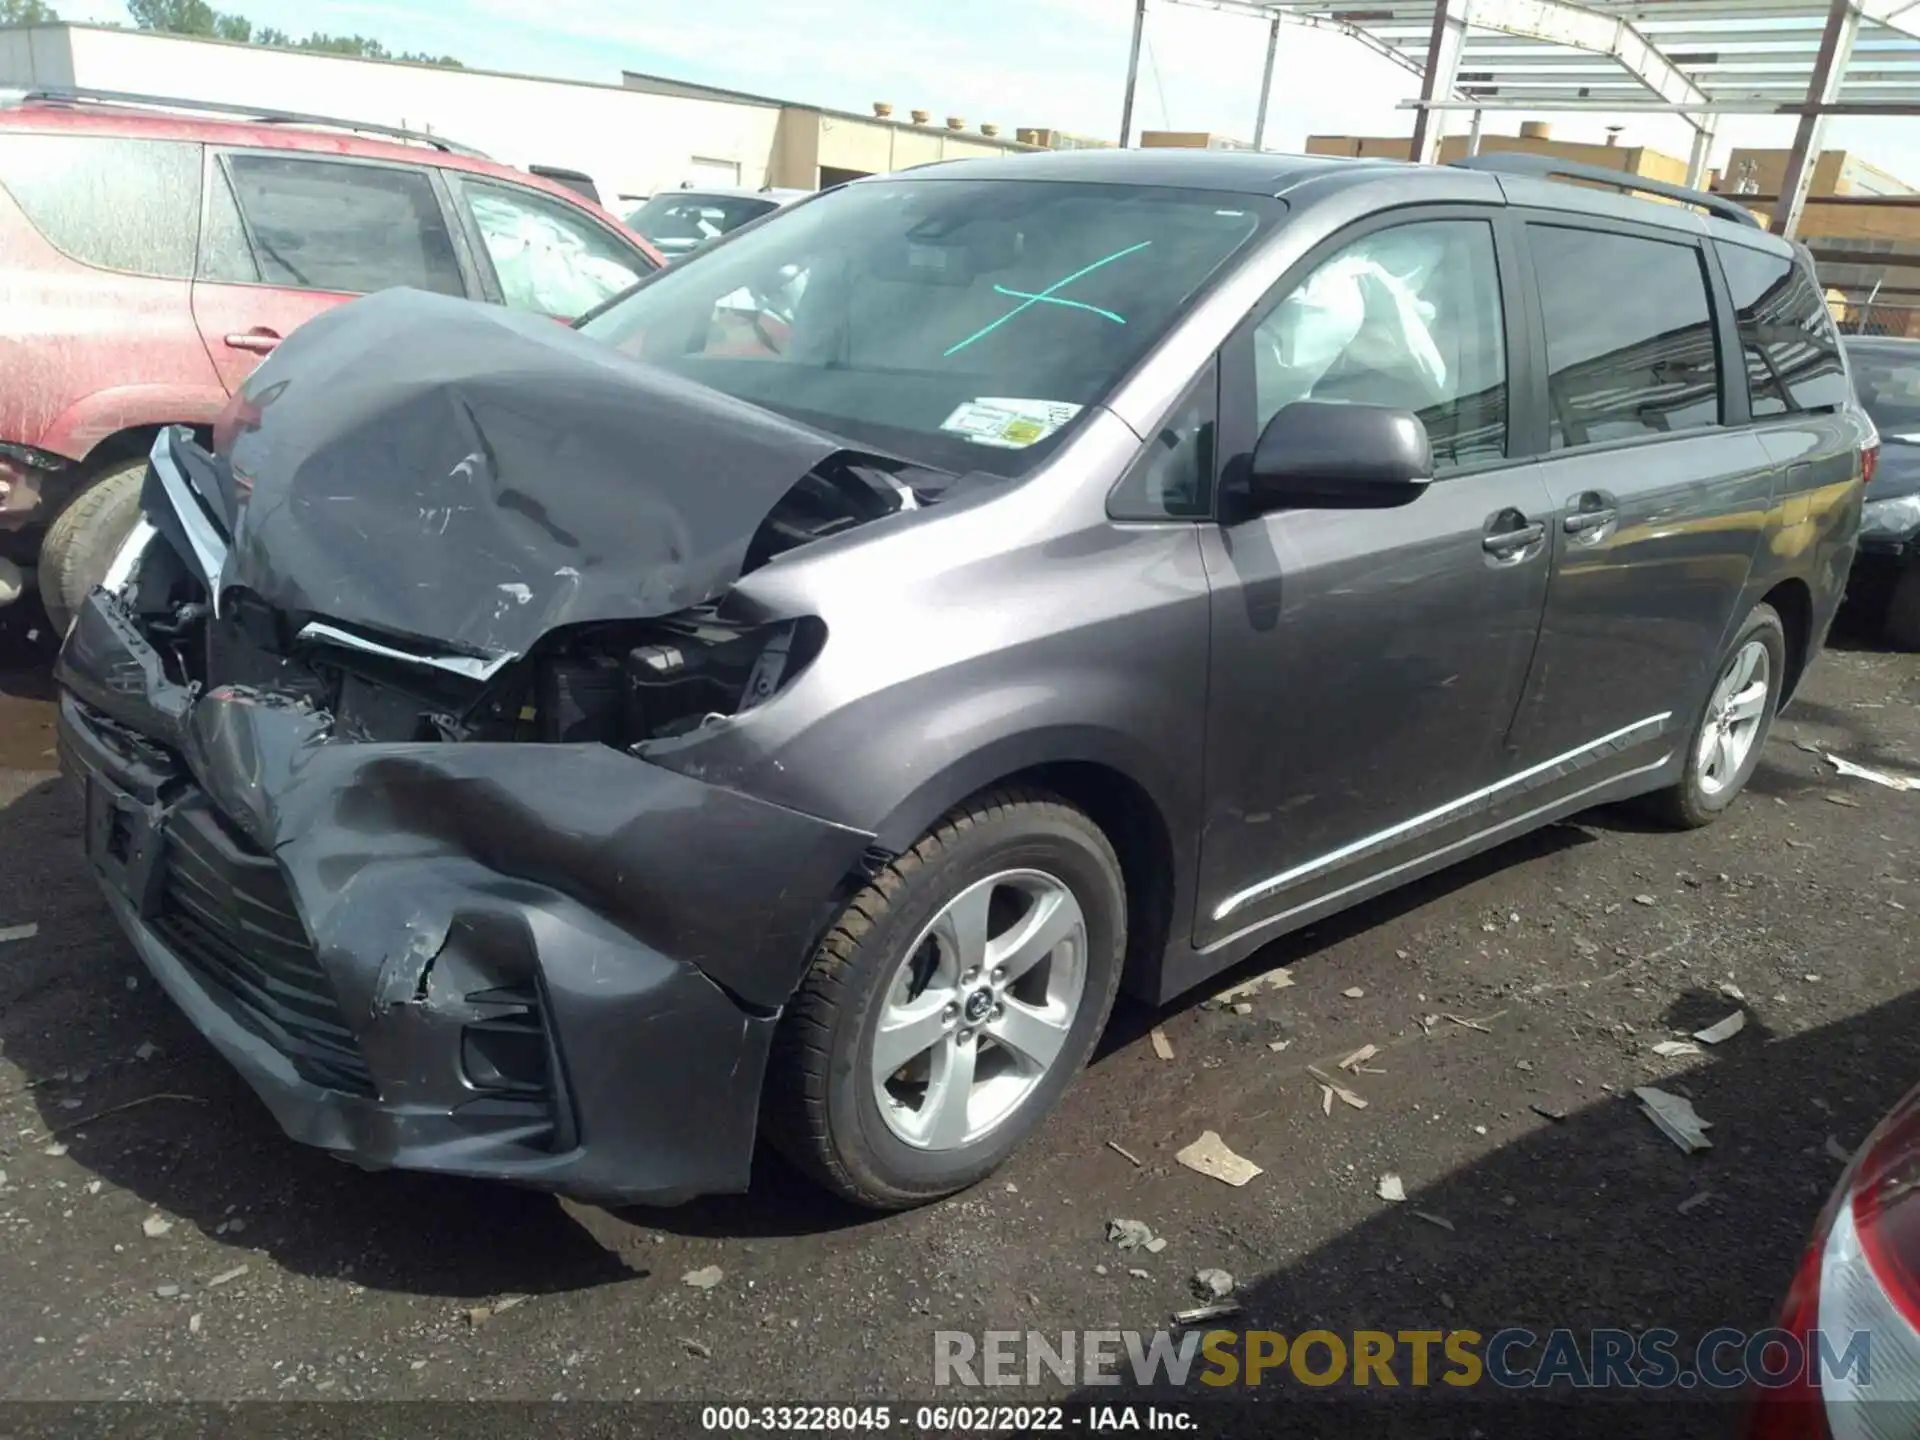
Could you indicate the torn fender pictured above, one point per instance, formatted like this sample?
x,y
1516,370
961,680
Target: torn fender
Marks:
x,y
459,473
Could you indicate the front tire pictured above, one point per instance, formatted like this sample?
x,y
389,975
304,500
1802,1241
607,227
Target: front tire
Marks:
x,y
81,543
951,1004
1724,748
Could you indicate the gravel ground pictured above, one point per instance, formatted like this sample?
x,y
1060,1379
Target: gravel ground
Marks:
x,y
159,1238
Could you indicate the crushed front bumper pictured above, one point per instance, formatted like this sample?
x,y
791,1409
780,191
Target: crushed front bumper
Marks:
x,y
551,964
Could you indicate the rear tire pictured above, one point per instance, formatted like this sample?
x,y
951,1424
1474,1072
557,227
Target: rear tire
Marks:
x,y
878,1133
1715,772
1901,627
81,544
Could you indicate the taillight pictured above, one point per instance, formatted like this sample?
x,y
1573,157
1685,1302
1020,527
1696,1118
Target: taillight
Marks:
x,y
1869,461
1854,1305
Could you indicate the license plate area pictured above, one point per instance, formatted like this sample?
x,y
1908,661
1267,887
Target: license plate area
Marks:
x,y
124,842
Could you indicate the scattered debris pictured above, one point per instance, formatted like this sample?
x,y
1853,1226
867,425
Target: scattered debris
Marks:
x,y
1212,1284
1139,1274
1124,1153
1846,802
1645,900
478,1315
193,1324
696,1349
1388,1187
1333,1088
1200,1314
1012,1189
1210,1156
1722,1030
1732,991
1155,1245
1129,1234
1276,979
133,982
1811,979
18,932
1241,1007
1676,1118
1861,772
154,1226
56,1150
1360,1057
1694,1201
226,1277
1525,1066
1548,1112
1432,1219
1278,1045
145,1050
705,1278
1099,1269
1479,1025
1838,1151
1673,1049
166,1292
1354,992
129,1105
1162,1046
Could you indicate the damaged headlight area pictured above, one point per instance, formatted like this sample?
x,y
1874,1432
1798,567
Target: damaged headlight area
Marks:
x,y
617,682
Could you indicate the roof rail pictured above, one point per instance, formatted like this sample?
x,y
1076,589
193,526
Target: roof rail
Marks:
x,y
72,94
1550,167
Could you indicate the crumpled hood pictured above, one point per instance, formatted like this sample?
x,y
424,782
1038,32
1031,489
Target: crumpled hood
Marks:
x,y
455,472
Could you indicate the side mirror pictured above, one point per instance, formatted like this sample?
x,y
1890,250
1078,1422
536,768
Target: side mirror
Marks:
x,y
1321,455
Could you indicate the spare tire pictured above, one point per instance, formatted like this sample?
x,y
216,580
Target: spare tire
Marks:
x,y
81,544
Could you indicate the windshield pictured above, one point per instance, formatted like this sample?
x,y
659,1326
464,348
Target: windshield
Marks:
x,y
962,324
678,220
1889,386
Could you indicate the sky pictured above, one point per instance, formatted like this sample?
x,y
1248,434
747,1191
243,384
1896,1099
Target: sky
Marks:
x,y
1052,63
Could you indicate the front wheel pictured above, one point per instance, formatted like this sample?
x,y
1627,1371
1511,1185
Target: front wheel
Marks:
x,y
951,1004
1724,748
82,542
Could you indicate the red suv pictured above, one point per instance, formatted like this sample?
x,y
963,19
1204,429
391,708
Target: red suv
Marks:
x,y
150,256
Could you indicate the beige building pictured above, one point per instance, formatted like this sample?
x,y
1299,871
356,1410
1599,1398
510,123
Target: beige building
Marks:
x,y
810,147
1535,138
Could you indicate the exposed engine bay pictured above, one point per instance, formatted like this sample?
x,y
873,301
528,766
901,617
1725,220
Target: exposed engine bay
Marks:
x,y
614,682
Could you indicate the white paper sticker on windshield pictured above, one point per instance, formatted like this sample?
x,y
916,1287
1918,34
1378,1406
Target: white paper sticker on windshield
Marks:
x,y
1010,424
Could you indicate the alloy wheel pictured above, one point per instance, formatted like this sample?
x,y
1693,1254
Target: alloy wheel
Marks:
x,y
980,1009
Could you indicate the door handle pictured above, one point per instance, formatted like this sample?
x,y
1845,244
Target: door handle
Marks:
x,y
258,341
1581,521
1506,542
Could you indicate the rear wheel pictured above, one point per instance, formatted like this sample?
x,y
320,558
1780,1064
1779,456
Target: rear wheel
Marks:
x,y
81,544
1901,628
1724,749
951,1004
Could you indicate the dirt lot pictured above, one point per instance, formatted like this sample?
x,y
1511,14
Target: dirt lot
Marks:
x,y
159,1239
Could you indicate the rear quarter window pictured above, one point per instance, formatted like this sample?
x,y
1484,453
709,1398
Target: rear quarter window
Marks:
x,y
119,204
1786,333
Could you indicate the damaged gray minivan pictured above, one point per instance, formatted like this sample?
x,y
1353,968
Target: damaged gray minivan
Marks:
x,y
800,700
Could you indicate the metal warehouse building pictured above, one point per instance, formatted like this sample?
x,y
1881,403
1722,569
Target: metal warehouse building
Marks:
x,y
633,138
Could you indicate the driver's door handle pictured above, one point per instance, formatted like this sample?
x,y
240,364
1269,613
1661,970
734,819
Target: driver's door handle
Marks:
x,y
257,341
1506,542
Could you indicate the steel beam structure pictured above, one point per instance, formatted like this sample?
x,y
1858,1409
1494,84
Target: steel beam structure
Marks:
x,y
1836,50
